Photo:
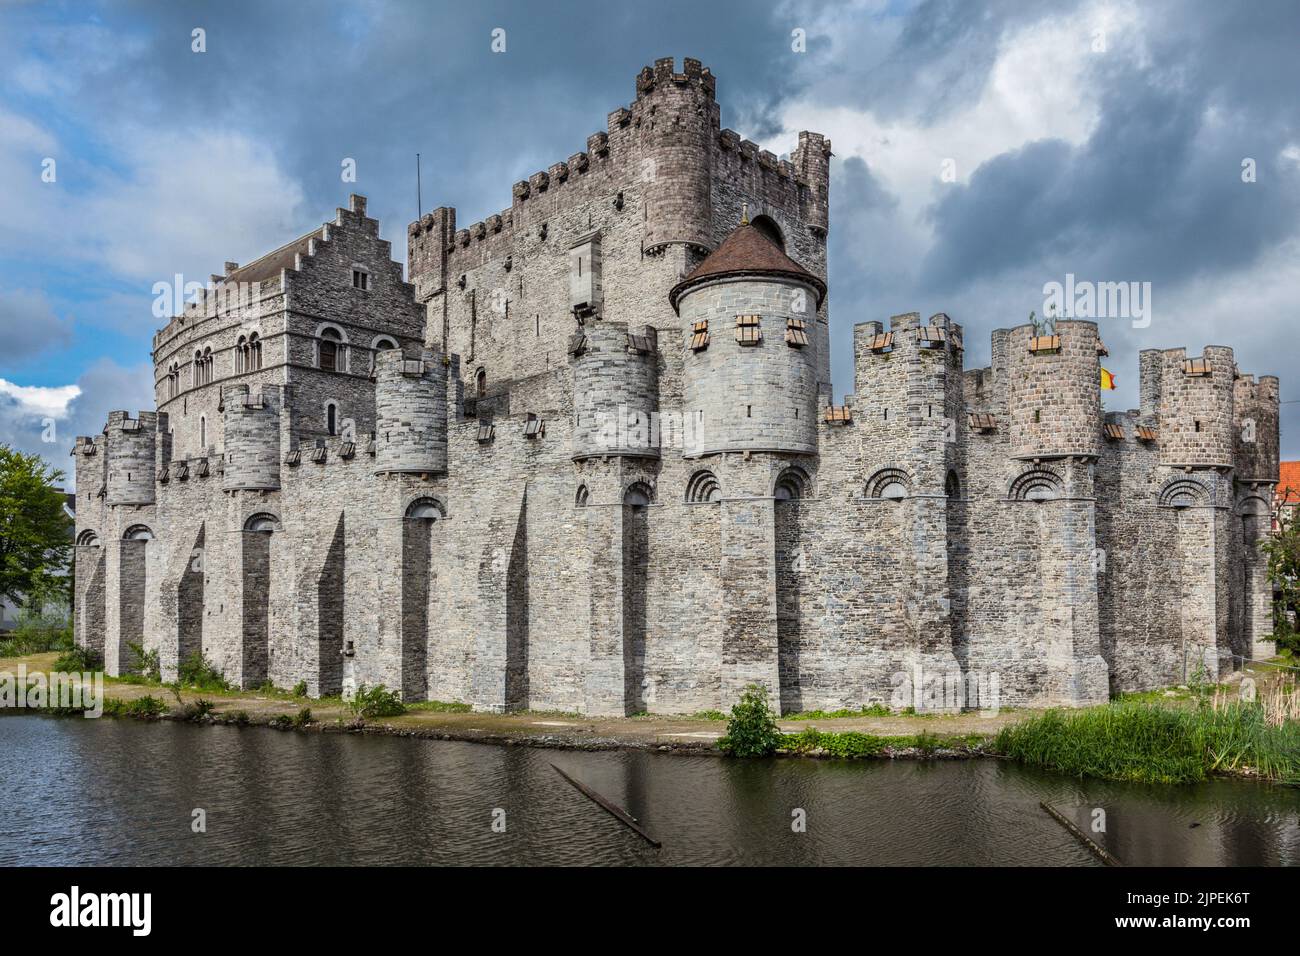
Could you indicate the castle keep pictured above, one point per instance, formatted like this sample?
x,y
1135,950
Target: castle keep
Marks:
x,y
585,456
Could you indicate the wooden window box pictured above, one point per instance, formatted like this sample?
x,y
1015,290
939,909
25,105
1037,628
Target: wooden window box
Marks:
x,y
1113,431
982,421
1045,344
1146,434
931,336
838,415
796,332
1197,367
881,343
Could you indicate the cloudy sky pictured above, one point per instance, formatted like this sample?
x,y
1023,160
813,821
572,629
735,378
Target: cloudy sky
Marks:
x,y
981,151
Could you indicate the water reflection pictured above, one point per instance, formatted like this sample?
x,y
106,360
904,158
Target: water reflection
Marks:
x,y
105,792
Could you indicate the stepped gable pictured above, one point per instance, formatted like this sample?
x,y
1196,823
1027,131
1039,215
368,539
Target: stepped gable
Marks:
x,y
747,252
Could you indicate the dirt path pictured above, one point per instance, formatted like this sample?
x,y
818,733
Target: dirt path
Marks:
x,y
690,734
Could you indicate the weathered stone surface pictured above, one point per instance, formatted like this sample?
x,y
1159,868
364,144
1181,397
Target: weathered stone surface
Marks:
x,y
513,509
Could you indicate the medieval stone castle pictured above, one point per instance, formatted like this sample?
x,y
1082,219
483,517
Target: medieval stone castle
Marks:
x,y
585,456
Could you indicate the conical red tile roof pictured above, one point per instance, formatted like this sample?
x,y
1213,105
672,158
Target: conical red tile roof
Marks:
x,y
746,252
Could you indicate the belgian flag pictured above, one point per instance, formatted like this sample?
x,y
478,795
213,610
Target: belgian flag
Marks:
x,y
1107,379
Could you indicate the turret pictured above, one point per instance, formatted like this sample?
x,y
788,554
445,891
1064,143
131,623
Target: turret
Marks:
x,y
252,437
750,379
428,242
812,162
1054,397
1196,408
615,390
129,464
411,412
1255,409
909,395
679,122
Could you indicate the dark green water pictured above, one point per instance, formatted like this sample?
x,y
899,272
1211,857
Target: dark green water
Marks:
x,y
93,792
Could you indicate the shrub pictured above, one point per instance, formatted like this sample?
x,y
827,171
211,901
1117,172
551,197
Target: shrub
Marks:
x,y
146,707
239,718
282,722
145,662
79,660
197,671
41,628
196,711
376,701
300,689
302,718
752,730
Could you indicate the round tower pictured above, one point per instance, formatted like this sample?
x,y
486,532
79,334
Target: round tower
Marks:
x,y
679,123
750,377
411,413
615,391
1196,408
252,437
1054,390
129,463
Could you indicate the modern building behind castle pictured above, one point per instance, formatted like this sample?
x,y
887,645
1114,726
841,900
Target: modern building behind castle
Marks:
x,y
585,457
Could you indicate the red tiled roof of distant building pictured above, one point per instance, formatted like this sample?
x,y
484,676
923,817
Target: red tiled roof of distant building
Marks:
x,y
1288,483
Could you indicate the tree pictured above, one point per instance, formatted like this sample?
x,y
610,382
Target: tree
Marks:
x,y
1283,550
35,543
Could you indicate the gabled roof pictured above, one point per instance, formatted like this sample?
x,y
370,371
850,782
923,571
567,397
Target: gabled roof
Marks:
x,y
746,252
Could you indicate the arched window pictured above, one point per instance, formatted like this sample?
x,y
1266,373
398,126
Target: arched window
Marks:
x,y
254,352
263,522
790,485
1036,485
197,378
890,484
582,497
703,486
382,344
331,418
768,227
952,484
88,539
330,350
480,383
138,532
426,509
203,432
241,355
174,380
639,495
1184,493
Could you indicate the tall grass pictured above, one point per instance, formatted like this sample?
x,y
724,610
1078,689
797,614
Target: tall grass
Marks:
x,y
1154,743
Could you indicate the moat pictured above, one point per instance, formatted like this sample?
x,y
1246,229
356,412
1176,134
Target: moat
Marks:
x,y
104,792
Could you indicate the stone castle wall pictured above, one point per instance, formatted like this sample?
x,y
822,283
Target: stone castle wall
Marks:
x,y
512,509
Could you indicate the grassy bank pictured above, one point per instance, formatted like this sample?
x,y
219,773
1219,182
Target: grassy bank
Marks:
x,y
1158,743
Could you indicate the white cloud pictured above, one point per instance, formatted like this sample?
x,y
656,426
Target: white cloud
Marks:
x,y
40,401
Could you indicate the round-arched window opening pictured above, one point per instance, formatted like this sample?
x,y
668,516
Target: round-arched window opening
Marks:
x,y
88,539
768,227
384,344
703,487
1040,492
789,485
138,532
638,496
1182,499
425,509
582,497
952,485
263,523
893,491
